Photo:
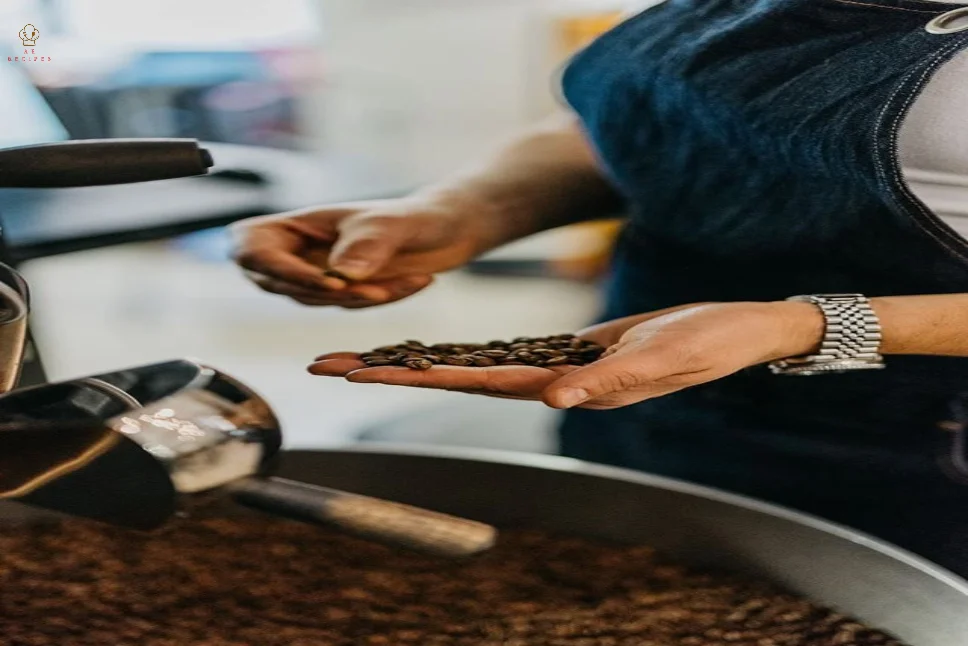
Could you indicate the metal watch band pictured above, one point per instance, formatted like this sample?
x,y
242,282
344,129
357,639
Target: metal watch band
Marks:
x,y
852,338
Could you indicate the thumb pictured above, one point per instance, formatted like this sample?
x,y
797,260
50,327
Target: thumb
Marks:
x,y
365,246
613,374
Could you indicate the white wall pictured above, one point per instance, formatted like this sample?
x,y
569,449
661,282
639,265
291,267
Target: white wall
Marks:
x,y
426,84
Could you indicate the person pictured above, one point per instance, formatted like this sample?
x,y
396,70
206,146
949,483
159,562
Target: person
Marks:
x,y
755,147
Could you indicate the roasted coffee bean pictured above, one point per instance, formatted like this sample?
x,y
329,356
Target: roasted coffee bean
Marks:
x,y
557,361
462,360
284,583
374,363
418,364
521,351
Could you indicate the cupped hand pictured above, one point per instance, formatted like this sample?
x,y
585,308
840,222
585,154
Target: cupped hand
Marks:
x,y
648,356
385,250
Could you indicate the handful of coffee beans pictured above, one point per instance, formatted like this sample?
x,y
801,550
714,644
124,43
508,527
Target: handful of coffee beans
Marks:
x,y
549,351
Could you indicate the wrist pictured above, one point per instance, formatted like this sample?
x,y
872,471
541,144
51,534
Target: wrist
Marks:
x,y
486,222
801,328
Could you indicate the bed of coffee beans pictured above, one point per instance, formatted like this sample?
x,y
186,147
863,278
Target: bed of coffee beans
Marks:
x,y
548,351
262,581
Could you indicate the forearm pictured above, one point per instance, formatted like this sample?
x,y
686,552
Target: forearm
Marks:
x,y
924,325
547,178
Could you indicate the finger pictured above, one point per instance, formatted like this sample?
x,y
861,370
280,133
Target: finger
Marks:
x,y
274,252
391,290
629,397
513,381
302,294
336,367
365,246
337,355
614,374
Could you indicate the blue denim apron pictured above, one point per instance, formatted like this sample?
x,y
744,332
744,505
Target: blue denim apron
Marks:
x,y
756,144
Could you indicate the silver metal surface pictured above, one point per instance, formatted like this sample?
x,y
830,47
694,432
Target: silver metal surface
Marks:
x,y
885,586
950,22
14,309
124,447
871,580
851,341
133,447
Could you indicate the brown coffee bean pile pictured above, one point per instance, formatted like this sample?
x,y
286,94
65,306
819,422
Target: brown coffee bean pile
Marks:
x,y
548,351
255,580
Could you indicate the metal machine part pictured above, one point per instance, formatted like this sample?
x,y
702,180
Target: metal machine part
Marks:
x,y
134,447
101,162
920,603
882,585
71,164
14,308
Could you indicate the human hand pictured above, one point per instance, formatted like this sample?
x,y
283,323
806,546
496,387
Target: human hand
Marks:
x,y
386,250
648,356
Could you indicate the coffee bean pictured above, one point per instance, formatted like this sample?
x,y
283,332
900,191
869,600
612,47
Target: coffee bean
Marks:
x,y
566,348
374,363
418,364
458,361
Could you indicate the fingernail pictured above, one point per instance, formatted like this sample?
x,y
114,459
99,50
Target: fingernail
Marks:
x,y
353,268
571,397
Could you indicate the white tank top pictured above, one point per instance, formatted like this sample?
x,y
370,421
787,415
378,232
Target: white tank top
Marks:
x,y
933,141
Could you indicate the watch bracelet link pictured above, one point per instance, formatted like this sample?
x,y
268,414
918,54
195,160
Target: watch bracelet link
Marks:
x,y
852,338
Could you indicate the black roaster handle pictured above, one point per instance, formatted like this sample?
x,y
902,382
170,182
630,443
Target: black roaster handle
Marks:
x,y
100,162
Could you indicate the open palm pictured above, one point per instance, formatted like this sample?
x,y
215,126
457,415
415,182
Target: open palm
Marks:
x,y
510,382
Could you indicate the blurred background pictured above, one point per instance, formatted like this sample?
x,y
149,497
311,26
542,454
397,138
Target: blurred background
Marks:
x,y
306,102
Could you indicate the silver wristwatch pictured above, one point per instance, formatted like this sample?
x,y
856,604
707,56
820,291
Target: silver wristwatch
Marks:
x,y
851,340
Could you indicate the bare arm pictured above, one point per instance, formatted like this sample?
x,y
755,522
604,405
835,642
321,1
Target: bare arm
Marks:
x,y
658,353
391,249
925,325
547,178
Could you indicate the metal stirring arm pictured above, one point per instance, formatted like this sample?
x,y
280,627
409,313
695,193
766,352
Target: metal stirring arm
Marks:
x,y
132,447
